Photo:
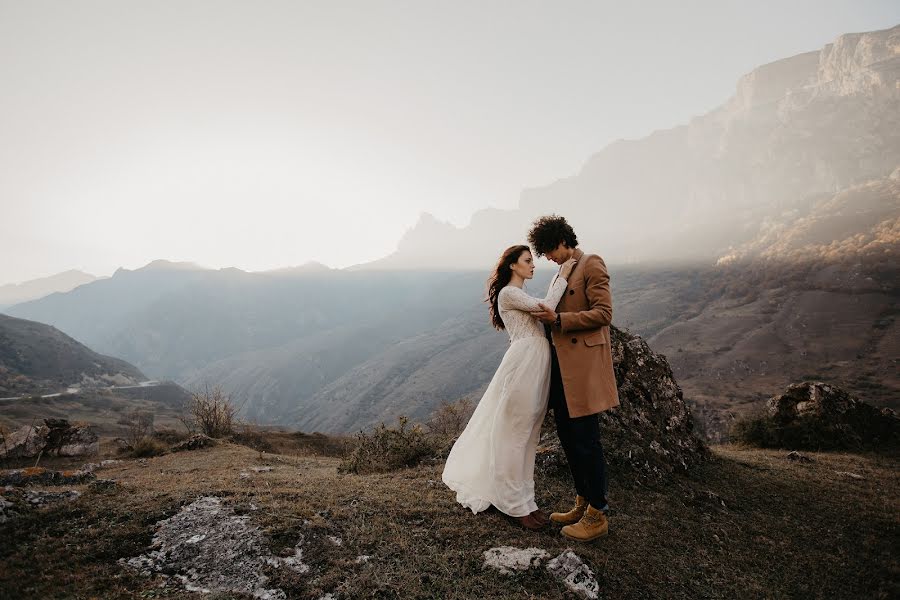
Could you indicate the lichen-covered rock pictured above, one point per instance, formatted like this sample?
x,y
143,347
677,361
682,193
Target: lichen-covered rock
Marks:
x,y
651,432
42,476
575,575
509,559
209,548
40,498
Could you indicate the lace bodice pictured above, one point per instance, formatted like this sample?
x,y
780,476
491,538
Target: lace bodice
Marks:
x,y
516,305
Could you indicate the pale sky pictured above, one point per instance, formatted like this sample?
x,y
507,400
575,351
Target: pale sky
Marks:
x,y
266,134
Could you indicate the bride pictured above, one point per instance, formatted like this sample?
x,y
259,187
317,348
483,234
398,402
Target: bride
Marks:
x,y
492,462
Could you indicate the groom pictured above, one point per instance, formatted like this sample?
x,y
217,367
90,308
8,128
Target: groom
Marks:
x,y
582,382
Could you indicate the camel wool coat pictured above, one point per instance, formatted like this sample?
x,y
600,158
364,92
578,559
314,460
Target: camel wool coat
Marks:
x,y
582,342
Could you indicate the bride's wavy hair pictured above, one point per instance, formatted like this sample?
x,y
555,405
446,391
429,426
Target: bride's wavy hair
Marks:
x,y
499,279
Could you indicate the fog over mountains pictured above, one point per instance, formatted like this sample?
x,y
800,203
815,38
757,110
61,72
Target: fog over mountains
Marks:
x,y
12,293
797,128
764,236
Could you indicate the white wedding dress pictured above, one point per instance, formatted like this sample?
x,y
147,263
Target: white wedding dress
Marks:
x,y
492,462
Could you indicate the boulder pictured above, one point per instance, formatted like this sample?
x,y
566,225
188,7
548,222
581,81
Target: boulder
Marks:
x,y
817,415
65,439
25,442
55,436
651,433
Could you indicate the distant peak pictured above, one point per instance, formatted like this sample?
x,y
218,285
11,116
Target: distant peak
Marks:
x,y
311,266
167,265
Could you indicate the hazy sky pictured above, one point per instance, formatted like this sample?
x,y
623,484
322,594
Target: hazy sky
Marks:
x,y
266,134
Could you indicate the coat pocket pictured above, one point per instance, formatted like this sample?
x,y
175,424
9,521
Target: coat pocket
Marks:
x,y
597,338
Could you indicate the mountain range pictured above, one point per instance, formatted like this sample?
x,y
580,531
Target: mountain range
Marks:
x,y
796,129
14,293
753,246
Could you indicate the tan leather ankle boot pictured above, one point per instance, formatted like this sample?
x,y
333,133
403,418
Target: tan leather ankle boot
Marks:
x,y
591,526
574,515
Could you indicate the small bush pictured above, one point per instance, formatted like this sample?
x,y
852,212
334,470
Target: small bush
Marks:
x,y
138,426
252,437
390,448
170,436
148,446
450,418
808,432
212,413
321,444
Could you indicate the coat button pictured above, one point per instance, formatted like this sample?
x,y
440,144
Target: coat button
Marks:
x,y
574,340
571,292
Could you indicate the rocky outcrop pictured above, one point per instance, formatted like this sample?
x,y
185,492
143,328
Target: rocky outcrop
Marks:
x,y
818,416
861,63
25,442
55,436
208,548
42,476
651,433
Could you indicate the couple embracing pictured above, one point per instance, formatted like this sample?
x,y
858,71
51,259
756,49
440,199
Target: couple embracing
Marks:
x,y
559,356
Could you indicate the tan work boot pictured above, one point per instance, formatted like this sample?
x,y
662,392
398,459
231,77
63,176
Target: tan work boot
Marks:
x,y
574,515
591,526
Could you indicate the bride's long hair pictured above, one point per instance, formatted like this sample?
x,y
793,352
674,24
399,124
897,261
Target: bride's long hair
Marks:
x,y
499,279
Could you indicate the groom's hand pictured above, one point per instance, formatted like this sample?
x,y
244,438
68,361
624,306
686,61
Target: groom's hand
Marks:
x,y
546,314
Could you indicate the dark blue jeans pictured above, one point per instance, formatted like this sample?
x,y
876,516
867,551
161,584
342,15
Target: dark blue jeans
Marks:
x,y
580,439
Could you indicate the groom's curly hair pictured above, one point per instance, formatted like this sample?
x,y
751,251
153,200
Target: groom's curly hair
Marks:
x,y
548,232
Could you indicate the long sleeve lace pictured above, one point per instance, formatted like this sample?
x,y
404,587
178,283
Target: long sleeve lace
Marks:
x,y
513,298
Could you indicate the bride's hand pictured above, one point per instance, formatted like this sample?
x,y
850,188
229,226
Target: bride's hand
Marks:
x,y
567,268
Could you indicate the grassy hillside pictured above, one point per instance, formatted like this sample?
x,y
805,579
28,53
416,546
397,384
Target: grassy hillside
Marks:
x,y
746,524
35,357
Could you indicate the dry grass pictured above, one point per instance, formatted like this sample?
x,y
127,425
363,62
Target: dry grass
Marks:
x,y
747,524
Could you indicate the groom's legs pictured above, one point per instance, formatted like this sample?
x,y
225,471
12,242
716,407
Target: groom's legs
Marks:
x,y
580,439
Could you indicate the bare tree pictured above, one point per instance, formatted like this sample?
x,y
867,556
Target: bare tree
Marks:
x,y
212,412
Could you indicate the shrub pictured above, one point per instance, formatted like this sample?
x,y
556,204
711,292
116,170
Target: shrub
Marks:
x,y
148,446
809,432
450,418
212,412
170,436
390,448
251,436
138,426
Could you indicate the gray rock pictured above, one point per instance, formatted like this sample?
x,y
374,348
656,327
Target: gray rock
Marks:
x,y
25,442
102,484
797,457
40,498
508,559
208,548
843,421
195,442
651,433
42,476
65,439
6,510
575,575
